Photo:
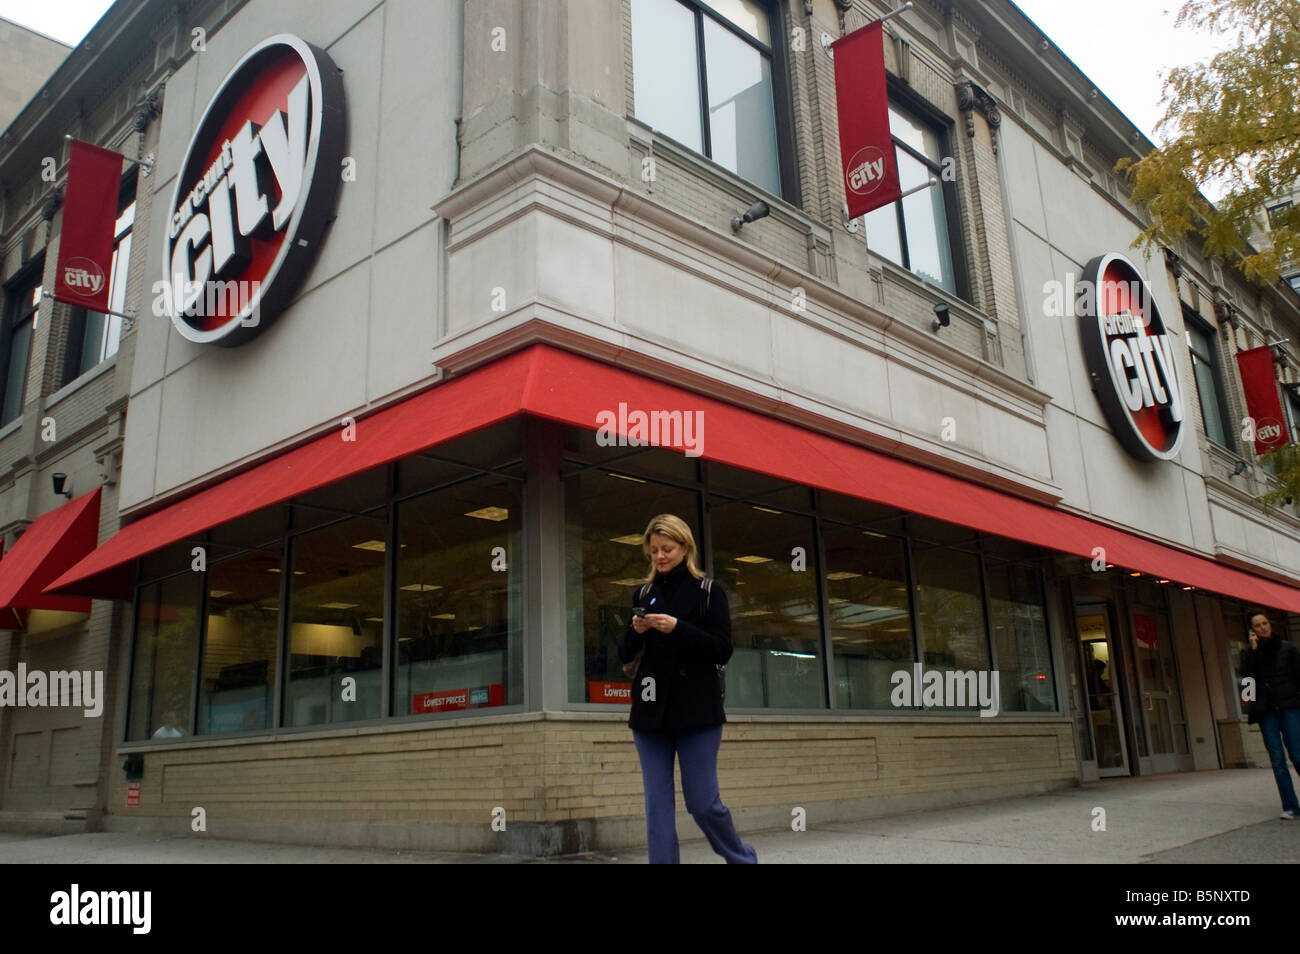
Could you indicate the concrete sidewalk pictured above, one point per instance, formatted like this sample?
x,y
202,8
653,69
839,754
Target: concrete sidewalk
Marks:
x,y
1227,817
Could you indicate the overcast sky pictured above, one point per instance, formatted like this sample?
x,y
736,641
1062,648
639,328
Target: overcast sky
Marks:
x,y
1122,45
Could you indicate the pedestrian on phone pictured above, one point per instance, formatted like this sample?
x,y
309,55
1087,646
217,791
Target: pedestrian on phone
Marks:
x,y
677,641
1274,665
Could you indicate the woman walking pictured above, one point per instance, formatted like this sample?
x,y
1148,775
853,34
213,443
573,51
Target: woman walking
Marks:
x,y
679,635
1274,664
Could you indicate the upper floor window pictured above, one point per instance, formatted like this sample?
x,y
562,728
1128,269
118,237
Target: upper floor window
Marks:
x,y
916,231
1209,381
1275,210
1294,282
707,76
93,337
23,299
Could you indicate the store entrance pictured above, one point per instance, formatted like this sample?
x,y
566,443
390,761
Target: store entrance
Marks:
x,y
1102,675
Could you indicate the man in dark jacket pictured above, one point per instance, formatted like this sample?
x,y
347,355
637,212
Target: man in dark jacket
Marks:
x,y
1274,666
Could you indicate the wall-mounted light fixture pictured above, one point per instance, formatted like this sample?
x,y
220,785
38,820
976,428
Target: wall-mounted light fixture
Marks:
x,y
942,319
61,485
758,210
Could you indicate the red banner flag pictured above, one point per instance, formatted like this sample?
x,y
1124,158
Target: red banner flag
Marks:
x,y
1262,401
89,214
866,149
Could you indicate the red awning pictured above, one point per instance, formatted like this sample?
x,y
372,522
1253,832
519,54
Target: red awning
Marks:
x,y
54,542
565,387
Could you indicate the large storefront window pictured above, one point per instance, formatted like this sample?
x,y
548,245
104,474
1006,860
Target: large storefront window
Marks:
x,y
792,593
317,577
766,559
1018,618
162,670
456,605
949,602
870,614
606,513
336,623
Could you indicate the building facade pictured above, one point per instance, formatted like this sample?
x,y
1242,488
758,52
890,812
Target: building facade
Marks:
x,y
364,554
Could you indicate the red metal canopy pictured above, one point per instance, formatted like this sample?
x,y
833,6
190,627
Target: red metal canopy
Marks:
x,y
53,543
561,386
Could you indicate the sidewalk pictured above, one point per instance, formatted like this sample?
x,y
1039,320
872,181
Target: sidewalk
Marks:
x,y
1222,817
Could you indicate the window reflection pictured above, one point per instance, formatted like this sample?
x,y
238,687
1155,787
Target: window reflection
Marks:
x,y
162,671
336,623
871,627
458,598
239,645
775,623
605,517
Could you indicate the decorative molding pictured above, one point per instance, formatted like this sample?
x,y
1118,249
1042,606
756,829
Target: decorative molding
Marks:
x,y
972,99
150,108
52,203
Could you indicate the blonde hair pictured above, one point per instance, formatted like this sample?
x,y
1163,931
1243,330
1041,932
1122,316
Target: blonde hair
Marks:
x,y
675,529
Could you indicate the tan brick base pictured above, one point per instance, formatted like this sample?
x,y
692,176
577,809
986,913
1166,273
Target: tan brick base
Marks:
x,y
571,781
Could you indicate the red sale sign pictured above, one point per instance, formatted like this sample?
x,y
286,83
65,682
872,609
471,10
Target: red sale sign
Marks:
x,y
613,692
866,149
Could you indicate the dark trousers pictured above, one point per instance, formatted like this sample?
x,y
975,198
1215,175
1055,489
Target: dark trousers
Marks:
x,y
697,751
1281,731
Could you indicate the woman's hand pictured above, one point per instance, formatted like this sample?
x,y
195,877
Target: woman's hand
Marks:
x,y
661,622
1254,641
639,624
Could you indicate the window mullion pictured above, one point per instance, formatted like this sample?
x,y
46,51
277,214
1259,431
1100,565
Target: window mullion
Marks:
x,y
705,134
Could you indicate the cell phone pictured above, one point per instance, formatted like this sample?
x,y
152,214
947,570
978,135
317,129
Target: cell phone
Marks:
x,y
638,610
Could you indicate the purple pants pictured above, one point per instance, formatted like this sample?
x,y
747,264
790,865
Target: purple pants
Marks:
x,y
697,751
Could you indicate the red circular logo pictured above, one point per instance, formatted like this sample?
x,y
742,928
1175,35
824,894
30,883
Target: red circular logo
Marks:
x,y
82,276
866,171
1130,358
254,192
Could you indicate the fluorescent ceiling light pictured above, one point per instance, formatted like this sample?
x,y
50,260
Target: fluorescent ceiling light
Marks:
x,y
420,587
217,594
635,480
339,605
842,575
753,559
632,539
445,616
490,513
765,509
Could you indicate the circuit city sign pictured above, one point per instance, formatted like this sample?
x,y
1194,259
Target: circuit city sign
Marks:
x,y
1130,358
255,192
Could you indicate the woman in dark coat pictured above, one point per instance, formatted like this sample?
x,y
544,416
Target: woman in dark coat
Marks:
x,y
679,636
1274,665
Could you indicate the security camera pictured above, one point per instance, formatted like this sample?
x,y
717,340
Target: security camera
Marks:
x,y
941,317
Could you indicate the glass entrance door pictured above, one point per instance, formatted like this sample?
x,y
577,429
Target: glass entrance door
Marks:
x,y
1158,686
1102,676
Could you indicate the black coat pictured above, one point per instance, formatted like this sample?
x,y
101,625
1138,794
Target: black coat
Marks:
x,y
1275,667
682,665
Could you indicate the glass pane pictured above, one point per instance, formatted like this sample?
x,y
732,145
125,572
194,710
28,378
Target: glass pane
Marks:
x,y
950,610
929,253
746,14
162,671
758,489
883,237
605,516
337,624
916,134
775,624
1103,701
459,584
92,341
1020,642
742,120
871,629
16,375
582,445
239,670
665,70
1207,393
